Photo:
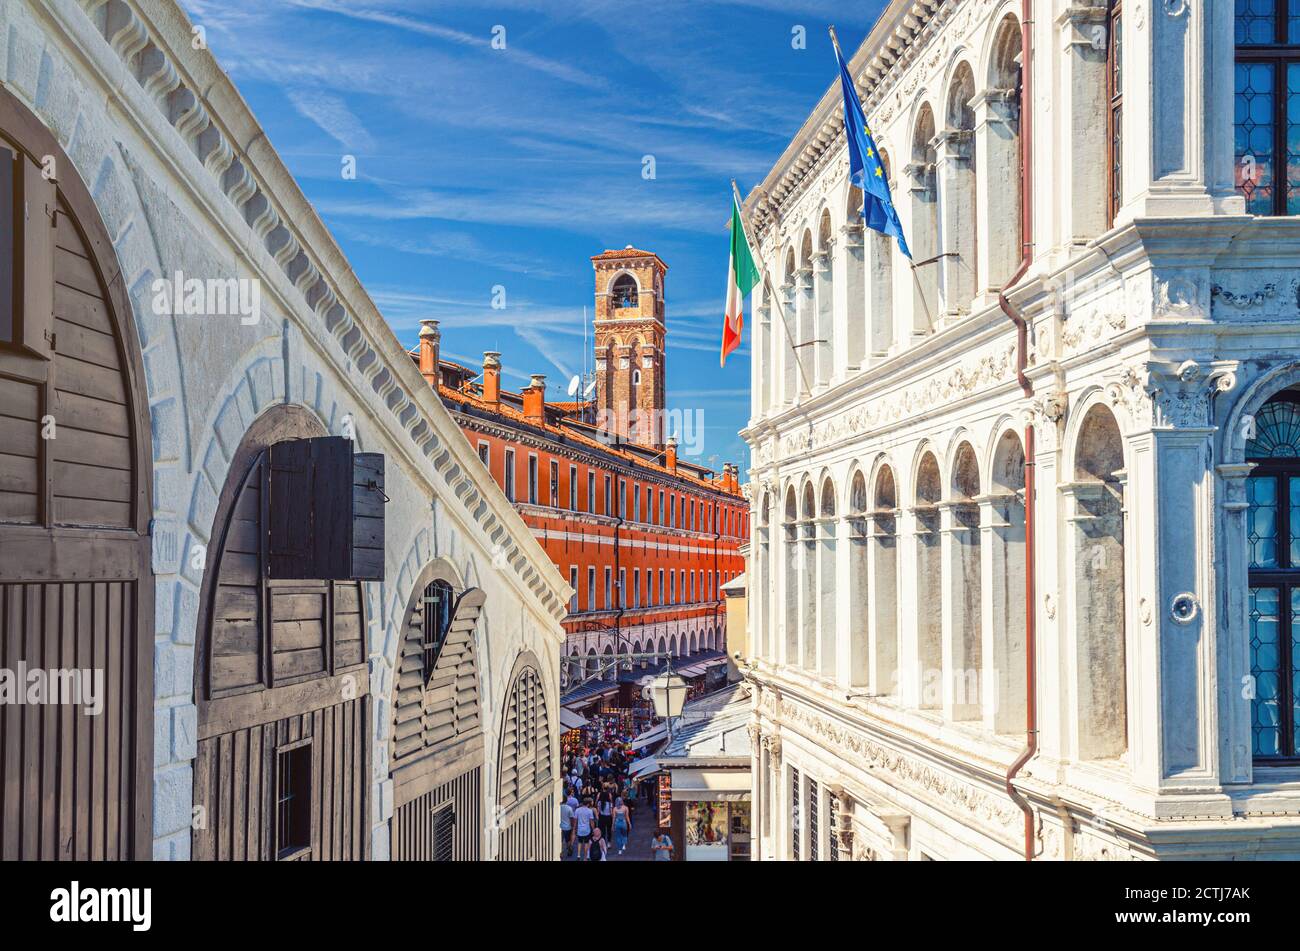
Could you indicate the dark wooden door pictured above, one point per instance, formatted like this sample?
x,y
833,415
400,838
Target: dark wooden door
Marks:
x,y
76,592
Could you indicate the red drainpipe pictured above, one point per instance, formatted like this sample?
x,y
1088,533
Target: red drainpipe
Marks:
x,y
1022,360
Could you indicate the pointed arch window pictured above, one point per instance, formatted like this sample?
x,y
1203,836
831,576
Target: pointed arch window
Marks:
x,y
1273,555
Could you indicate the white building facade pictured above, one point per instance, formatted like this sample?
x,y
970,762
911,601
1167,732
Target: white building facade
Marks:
x,y
167,172
907,585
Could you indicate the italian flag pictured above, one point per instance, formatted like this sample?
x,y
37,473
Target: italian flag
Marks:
x,y
742,275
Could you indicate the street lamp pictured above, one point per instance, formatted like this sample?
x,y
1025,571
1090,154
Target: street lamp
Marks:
x,y
668,691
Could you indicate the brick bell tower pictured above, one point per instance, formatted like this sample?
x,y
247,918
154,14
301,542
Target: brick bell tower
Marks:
x,y
629,329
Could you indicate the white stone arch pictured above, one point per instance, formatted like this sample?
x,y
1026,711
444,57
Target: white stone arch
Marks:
x,y
961,54
1099,596
948,454
988,456
987,50
926,446
1088,398
1004,642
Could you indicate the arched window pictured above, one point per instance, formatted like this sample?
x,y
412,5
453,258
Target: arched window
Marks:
x,y
957,181
781,341
1008,592
929,581
855,280
435,621
884,579
623,293
1002,150
826,624
526,789
790,575
1098,521
761,592
805,315
809,599
963,686
859,567
925,224
823,281
880,280
1273,548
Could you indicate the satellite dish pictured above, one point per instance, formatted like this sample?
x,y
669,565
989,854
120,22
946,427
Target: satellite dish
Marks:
x,y
574,384
590,390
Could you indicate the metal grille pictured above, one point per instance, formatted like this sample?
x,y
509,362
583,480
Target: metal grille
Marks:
x,y
444,838
814,807
834,807
794,812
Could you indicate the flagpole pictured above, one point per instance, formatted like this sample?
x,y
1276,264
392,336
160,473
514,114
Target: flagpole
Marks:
x,y
775,298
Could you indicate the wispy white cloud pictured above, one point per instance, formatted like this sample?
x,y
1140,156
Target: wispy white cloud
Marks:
x,y
333,116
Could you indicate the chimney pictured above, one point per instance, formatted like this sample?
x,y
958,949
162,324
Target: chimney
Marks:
x,y
492,379
670,454
535,399
430,351
732,484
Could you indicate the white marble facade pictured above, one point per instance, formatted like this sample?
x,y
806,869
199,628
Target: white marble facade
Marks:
x,y
888,613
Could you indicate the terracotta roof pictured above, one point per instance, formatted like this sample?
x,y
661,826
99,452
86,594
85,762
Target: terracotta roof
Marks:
x,y
628,252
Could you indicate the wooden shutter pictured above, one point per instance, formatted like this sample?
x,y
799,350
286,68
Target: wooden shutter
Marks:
x,y
326,511
37,272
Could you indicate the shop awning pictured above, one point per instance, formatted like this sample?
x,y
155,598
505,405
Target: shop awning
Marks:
x,y
642,767
569,720
713,785
652,735
698,670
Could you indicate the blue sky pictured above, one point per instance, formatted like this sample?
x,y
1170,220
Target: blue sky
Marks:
x,y
479,167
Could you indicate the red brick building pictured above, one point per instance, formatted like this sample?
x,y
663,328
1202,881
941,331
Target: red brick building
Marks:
x,y
645,538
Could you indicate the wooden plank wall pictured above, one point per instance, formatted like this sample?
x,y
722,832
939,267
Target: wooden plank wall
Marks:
x,y
531,837
68,778
415,826
234,780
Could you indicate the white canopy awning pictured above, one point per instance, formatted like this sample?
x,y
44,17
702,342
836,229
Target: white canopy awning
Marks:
x,y
652,735
714,785
569,720
642,767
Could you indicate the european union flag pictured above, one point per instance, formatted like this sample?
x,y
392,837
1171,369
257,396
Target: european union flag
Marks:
x,y
865,170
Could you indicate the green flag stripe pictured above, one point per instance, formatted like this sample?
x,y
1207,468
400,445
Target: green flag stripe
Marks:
x,y
742,261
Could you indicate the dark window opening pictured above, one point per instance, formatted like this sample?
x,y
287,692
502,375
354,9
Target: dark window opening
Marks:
x,y
436,604
624,292
293,802
1115,111
9,207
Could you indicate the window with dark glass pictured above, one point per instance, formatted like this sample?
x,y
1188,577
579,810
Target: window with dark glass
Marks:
x,y
532,480
1267,106
435,622
1273,556
573,488
510,475
554,500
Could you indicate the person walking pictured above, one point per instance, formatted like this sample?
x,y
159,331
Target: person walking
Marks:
x,y
662,845
566,827
622,825
585,820
605,804
599,845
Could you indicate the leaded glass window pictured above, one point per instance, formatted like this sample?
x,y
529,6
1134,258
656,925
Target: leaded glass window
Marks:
x,y
1267,105
1273,556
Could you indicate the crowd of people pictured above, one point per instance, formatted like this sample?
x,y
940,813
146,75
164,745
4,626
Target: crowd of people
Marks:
x,y
600,799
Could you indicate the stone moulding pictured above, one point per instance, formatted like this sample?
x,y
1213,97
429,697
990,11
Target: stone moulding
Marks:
x,y
149,60
997,816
